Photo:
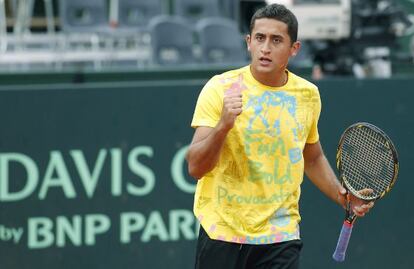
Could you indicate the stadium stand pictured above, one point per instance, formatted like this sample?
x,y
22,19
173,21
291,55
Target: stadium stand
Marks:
x,y
172,40
220,41
195,10
111,34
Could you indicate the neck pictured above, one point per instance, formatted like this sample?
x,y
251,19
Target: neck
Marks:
x,y
271,79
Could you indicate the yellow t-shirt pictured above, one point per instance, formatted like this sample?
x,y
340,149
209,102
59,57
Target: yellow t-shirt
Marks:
x,y
252,194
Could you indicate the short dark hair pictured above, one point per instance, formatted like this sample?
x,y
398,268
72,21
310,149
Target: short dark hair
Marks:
x,y
280,13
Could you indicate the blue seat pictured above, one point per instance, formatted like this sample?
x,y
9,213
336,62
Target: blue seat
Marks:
x,y
137,13
221,41
194,10
133,18
83,16
171,40
84,24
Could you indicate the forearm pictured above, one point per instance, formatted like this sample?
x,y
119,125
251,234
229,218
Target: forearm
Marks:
x,y
204,151
321,174
203,155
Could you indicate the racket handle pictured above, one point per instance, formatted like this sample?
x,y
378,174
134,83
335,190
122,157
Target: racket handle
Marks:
x,y
343,240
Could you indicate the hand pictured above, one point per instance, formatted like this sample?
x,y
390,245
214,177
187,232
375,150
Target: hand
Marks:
x,y
359,207
232,107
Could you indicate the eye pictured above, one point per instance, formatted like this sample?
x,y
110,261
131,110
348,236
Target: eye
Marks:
x,y
277,40
259,38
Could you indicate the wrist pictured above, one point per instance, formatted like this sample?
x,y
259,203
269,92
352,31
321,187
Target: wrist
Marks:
x,y
223,128
341,199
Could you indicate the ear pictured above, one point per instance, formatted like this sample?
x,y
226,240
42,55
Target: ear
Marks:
x,y
248,39
295,48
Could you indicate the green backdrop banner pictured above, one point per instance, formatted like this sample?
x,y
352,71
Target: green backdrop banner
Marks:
x,y
94,176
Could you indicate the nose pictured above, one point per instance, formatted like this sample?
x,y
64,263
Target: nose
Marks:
x,y
265,49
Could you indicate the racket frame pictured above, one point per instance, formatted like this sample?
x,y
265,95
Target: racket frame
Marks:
x,y
350,217
389,145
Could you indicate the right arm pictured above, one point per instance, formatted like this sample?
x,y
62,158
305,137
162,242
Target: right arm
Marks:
x,y
205,148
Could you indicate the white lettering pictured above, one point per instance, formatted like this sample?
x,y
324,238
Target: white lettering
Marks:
x,y
10,234
89,180
62,179
177,172
32,179
141,170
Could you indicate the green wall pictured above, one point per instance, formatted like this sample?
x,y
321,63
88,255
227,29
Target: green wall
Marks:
x,y
92,175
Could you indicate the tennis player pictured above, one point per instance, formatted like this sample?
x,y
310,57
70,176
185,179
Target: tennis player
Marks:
x,y
256,133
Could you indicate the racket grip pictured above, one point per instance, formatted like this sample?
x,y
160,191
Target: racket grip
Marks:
x,y
342,245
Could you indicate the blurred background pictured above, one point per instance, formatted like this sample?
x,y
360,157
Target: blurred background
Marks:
x,y
96,99
358,38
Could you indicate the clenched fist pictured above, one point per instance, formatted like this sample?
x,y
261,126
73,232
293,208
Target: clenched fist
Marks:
x,y
232,107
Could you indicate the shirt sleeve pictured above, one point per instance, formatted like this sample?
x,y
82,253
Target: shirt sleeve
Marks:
x,y
209,105
313,135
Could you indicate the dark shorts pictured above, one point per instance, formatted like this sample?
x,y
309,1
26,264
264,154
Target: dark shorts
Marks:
x,y
214,254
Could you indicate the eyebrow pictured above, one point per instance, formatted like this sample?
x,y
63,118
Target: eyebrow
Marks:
x,y
272,35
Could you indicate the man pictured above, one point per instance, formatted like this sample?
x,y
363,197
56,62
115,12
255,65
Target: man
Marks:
x,y
256,134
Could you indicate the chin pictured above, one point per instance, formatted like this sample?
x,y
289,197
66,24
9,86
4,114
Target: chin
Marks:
x,y
265,69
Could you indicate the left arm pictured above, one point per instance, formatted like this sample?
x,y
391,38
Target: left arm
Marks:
x,y
319,171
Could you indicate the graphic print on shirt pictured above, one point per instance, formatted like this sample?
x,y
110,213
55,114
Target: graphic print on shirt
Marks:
x,y
281,218
271,127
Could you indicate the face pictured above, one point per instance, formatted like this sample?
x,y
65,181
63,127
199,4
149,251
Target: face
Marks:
x,y
270,47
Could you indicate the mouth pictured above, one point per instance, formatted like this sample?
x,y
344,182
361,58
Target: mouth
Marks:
x,y
264,61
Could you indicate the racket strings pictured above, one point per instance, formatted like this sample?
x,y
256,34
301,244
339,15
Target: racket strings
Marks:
x,y
367,162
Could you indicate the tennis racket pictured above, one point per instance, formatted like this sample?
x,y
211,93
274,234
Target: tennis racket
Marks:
x,y
367,163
